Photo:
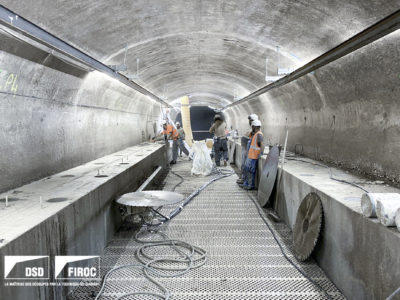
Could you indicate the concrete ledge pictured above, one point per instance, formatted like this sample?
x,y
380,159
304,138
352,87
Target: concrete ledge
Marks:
x,y
361,256
82,223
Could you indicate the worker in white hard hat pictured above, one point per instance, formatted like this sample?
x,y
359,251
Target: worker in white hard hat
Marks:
x,y
252,118
178,142
220,140
246,140
166,133
255,151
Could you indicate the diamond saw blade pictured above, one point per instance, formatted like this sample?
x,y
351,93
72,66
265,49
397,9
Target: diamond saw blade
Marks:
x,y
308,226
150,198
268,176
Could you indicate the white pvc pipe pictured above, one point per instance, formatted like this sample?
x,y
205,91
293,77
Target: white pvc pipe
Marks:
x,y
386,209
397,219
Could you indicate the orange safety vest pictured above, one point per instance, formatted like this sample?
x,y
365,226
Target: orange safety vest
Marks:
x,y
170,129
175,134
254,151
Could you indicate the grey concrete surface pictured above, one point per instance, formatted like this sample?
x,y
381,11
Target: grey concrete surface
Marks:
x,y
207,49
346,113
359,254
204,46
243,259
80,225
55,117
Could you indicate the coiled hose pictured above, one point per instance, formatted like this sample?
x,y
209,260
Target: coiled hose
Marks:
x,y
150,265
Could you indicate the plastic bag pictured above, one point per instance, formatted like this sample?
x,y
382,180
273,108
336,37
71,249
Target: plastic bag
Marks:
x,y
202,163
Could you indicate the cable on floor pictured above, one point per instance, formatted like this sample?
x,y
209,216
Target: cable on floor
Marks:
x,y
193,257
180,182
330,173
220,175
151,265
316,284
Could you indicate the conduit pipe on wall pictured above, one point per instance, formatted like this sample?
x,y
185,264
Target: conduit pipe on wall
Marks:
x,y
17,23
381,28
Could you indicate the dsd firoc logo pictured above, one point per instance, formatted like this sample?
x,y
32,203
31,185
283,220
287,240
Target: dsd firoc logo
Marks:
x,y
77,267
26,267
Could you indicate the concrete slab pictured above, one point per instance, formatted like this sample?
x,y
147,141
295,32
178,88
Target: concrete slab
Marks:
x,y
360,255
77,215
243,258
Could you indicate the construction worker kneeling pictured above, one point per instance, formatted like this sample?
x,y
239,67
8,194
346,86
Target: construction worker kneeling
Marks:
x,y
255,150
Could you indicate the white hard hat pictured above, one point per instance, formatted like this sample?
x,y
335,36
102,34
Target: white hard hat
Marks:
x,y
253,117
177,123
164,122
256,123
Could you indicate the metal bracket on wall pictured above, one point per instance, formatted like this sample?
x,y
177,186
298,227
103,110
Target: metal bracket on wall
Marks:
x,y
365,37
17,23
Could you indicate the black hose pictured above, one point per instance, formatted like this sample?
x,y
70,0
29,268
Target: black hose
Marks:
x,y
330,173
180,182
176,211
316,284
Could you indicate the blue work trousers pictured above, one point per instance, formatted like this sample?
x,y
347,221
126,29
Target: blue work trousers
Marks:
x,y
250,171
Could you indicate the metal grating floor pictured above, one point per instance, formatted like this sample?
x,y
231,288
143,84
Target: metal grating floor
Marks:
x,y
244,261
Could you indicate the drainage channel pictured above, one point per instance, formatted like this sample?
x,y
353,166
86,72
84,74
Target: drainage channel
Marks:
x,y
244,260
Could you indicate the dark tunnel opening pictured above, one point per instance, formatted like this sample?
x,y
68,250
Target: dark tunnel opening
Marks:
x,y
201,118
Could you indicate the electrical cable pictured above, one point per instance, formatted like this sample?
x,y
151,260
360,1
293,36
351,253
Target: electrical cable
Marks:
x,y
316,284
149,264
391,297
330,173
180,177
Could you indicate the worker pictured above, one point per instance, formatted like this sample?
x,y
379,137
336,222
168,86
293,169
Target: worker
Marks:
x,y
248,136
165,133
255,150
178,143
220,140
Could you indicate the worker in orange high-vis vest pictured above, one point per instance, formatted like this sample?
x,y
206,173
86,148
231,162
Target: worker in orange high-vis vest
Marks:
x,y
247,137
174,135
255,150
165,133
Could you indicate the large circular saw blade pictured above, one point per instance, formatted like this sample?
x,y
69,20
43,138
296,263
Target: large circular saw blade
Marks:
x,y
150,198
308,226
268,176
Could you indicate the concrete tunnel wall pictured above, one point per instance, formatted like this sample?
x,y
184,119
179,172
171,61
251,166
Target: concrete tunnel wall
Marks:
x,y
55,116
344,113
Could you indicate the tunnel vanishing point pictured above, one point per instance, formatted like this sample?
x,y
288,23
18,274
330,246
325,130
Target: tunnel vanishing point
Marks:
x,y
85,88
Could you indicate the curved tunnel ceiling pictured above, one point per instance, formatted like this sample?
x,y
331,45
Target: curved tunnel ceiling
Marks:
x,y
204,48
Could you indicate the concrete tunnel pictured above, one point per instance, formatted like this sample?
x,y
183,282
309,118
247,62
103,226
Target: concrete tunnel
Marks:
x,y
86,85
